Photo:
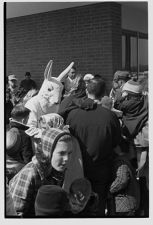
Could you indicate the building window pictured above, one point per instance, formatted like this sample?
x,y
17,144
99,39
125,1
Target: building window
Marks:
x,y
134,51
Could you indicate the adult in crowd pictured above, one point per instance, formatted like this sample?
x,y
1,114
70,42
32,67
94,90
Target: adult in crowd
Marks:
x,y
28,83
134,105
47,167
120,78
8,104
70,81
13,86
78,93
98,132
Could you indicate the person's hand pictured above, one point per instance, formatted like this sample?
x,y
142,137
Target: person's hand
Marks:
x,y
34,132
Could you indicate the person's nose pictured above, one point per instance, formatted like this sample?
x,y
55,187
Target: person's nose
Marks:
x,y
65,158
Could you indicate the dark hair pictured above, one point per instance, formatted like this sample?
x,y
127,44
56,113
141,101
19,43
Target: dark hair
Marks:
x,y
27,74
97,76
96,87
20,111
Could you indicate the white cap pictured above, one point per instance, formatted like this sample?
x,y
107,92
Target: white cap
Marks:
x,y
88,77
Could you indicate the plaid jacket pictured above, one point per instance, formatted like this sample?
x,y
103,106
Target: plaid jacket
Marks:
x,y
24,185
23,188
123,187
121,180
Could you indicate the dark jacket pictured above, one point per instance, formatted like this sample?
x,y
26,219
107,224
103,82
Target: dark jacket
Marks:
x,y
9,107
98,132
28,84
135,113
26,151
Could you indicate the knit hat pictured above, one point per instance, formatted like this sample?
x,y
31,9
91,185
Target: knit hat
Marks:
x,y
88,77
123,75
12,77
51,200
13,141
132,86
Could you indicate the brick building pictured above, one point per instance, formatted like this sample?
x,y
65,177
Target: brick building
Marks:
x,y
89,35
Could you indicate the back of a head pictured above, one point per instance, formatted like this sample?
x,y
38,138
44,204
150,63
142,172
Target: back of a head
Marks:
x,y
51,201
13,141
81,185
96,87
20,112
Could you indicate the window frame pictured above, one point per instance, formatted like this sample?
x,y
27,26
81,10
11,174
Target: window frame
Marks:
x,y
128,34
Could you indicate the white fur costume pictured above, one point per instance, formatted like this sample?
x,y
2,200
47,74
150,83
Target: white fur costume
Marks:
x,y
49,96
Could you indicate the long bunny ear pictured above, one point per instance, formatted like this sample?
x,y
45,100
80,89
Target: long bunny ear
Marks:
x,y
48,70
64,73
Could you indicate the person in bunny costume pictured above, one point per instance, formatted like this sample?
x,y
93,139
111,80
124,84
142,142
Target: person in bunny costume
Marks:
x,y
49,96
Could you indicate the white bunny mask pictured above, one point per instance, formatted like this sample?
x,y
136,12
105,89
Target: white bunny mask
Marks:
x,y
51,90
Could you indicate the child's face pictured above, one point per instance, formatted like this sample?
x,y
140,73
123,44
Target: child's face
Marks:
x,y
61,155
77,201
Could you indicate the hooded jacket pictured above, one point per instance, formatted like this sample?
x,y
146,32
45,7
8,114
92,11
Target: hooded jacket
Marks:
x,y
24,186
98,132
135,113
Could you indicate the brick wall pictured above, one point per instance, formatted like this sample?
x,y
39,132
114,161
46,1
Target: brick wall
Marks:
x,y
88,35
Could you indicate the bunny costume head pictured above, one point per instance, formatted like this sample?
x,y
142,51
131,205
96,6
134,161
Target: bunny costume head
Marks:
x,y
49,96
51,90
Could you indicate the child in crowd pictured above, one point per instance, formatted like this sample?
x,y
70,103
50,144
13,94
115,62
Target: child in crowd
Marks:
x,y
51,201
83,201
47,167
18,120
18,144
124,192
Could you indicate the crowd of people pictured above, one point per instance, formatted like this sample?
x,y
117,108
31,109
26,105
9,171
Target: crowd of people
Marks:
x,y
74,151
